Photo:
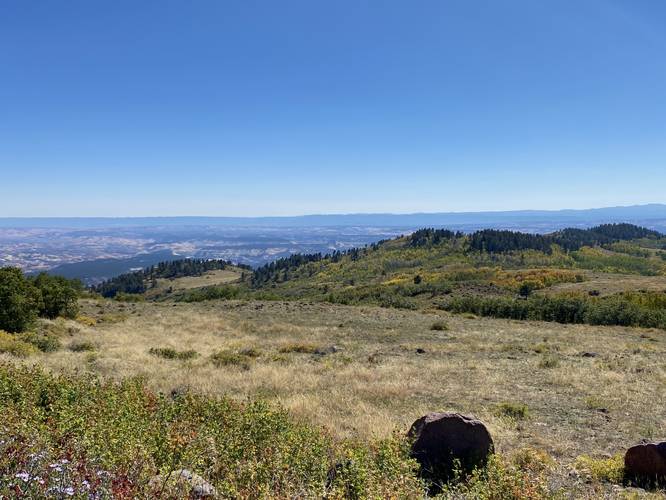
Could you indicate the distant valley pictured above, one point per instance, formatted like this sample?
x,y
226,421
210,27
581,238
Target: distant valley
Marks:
x,y
95,249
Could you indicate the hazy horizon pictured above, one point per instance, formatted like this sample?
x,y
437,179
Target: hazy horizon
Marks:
x,y
647,205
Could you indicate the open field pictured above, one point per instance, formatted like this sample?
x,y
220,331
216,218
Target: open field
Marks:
x,y
211,278
376,382
611,283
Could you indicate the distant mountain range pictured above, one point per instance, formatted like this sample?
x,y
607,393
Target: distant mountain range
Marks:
x,y
651,215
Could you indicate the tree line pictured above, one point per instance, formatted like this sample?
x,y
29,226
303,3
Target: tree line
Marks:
x,y
23,298
639,309
430,236
139,281
279,270
486,240
570,239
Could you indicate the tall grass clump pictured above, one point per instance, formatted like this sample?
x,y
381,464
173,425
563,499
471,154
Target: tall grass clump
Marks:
x,y
170,353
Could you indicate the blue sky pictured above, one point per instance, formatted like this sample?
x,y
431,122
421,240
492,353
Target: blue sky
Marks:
x,y
119,108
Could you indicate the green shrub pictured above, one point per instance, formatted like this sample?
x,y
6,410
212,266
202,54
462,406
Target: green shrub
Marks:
x,y
170,353
498,480
602,469
82,346
439,326
59,296
44,341
517,411
231,358
534,460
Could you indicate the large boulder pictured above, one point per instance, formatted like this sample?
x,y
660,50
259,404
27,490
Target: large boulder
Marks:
x,y
446,441
646,462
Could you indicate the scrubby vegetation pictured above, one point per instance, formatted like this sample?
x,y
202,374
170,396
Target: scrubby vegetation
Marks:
x,y
419,270
644,309
170,353
68,436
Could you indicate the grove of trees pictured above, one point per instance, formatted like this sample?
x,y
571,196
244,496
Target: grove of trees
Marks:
x,y
22,298
138,281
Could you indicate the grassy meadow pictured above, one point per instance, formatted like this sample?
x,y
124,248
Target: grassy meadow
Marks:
x,y
565,390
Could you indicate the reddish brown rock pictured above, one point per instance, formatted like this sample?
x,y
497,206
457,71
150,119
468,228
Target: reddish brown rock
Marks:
x,y
444,440
646,462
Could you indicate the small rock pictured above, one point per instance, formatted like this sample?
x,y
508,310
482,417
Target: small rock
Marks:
x,y
420,350
186,482
441,439
589,354
646,462
323,351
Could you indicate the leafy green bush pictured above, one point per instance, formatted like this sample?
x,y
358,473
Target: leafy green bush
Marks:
x,y
58,296
44,341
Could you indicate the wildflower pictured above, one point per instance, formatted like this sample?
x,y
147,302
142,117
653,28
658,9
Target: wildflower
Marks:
x,y
24,476
69,491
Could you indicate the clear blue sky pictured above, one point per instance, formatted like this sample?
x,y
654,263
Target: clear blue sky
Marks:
x,y
292,107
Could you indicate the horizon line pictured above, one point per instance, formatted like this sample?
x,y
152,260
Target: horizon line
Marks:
x,y
334,214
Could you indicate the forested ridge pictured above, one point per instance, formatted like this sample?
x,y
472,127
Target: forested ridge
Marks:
x,y
138,281
486,241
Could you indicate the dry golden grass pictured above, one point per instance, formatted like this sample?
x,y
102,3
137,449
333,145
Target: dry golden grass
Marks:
x,y
608,283
211,278
377,382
